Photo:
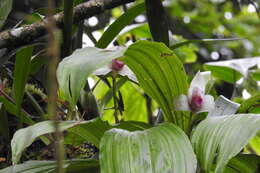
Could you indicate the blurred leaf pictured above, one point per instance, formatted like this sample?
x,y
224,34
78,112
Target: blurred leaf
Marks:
x,y
216,140
73,70
161,149
32,18
256,74
71,166
6,7
21,73
253,101
243,163
119,24
205,40
232,70
161,76
157,21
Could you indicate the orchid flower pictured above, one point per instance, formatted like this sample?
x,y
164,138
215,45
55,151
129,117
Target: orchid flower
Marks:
x,y
196,100
117,66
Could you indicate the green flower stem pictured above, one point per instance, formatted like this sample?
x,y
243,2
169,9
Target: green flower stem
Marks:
x,y
114,97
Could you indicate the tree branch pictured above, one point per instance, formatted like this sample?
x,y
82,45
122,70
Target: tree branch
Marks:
x,y
24,35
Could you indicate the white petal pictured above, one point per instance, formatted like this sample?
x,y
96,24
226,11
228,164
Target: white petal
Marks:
x,y
181,103
208,104
103,70
126,71
200,80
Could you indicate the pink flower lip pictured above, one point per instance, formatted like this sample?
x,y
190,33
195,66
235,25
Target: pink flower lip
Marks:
x,y
197,99
117,65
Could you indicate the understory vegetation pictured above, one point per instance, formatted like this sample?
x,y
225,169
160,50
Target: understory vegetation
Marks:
x,y
129,86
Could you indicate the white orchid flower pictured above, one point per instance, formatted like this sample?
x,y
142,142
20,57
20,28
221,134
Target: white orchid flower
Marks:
x,y
117,66
196,100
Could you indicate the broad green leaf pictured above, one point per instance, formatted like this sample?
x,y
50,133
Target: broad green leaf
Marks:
x,y
161,75
216,140
21,73
71,166
73,71
232,70
243,163
6,7
161,149
115,28
92,131
25,137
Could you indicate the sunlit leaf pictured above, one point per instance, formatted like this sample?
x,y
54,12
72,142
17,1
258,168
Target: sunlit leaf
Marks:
x,y
73,71
165,148
232,70
216,140
161,75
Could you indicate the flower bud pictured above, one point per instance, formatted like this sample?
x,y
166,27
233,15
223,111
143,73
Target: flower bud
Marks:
x,y
117,65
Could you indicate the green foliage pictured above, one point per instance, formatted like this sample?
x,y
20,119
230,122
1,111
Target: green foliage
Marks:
x,y
119,24
73,71
218,139
6,7
165,148
21,73
72,166
161,75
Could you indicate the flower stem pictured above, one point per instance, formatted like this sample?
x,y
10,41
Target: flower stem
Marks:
x,y
115,98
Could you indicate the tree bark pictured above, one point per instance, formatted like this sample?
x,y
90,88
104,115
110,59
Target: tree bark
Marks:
x,y
24,35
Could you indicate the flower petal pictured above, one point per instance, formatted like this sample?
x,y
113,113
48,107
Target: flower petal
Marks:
x,y
126,71
181,103
208,104
200,81
102,71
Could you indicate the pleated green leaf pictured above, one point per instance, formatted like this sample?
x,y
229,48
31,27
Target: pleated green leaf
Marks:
x,y
73,71
161,75
71,166
161,149
216,140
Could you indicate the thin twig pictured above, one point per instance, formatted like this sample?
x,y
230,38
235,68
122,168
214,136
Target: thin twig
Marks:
x,y
53,52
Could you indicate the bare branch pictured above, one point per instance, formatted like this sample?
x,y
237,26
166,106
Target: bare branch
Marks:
x,y
14,38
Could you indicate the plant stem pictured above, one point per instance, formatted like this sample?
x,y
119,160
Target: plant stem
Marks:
x,y
35,105
114,97
67,29
149,109
53,52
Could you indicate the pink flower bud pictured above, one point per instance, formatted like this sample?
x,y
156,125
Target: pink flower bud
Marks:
x,y
197,99
117,65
